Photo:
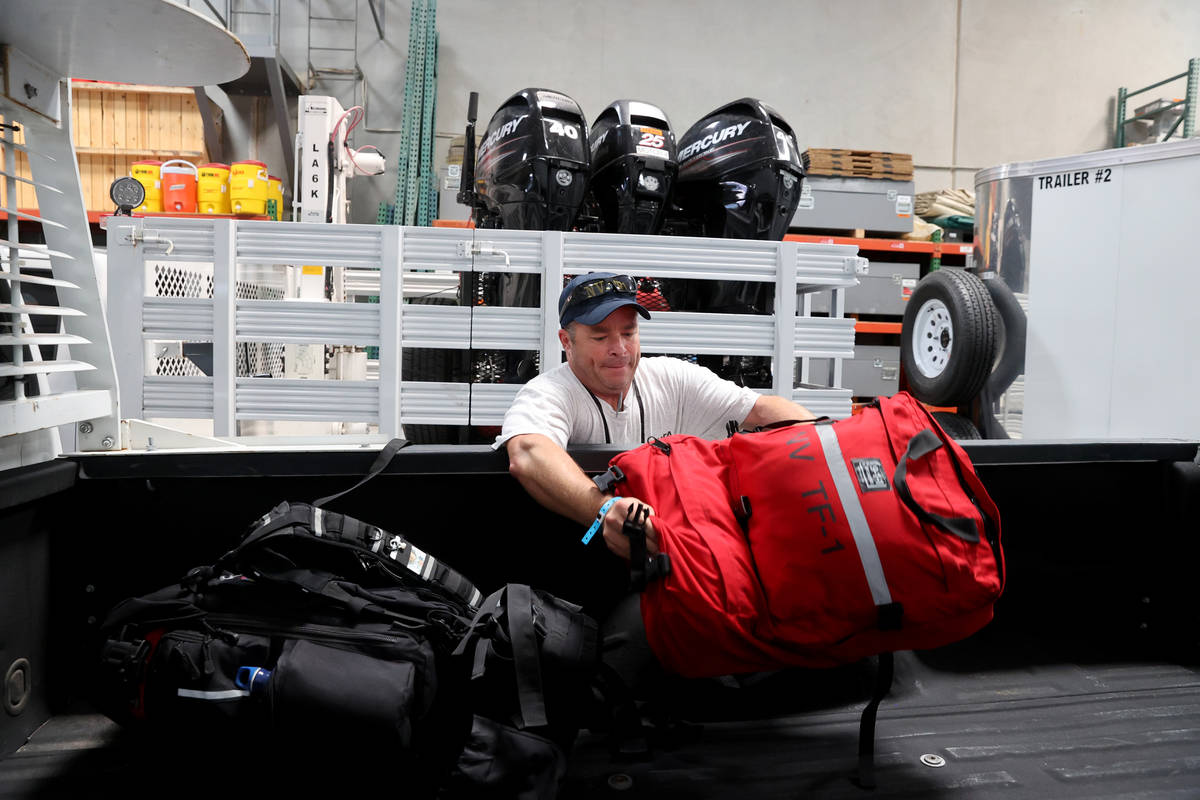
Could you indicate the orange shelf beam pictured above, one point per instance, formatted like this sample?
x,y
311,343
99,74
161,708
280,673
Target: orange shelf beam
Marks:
x,y
876,327
887,245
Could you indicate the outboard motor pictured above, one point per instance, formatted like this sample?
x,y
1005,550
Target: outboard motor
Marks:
x,y
532,167
740,172
634,166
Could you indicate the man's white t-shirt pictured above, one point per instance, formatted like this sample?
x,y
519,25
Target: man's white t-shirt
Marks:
x,y
676,396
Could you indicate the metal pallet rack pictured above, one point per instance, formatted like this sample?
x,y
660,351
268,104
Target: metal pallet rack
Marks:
x,y
1187,118
416,198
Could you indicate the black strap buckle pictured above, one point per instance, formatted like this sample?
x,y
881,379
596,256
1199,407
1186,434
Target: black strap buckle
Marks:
x,y
643,568
605,481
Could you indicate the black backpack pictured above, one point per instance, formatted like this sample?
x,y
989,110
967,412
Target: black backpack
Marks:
x,y
320,634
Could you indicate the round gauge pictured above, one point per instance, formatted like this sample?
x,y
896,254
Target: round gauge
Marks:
x,y
127,193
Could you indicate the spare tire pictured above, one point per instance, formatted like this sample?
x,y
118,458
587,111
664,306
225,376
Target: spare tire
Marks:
x,y
948,338
956,426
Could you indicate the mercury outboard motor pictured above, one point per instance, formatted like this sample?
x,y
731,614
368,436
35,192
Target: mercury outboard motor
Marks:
x,y
740,172
634,166
532,167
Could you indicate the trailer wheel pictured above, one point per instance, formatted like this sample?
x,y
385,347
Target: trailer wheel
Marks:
x,y
948,338
956,426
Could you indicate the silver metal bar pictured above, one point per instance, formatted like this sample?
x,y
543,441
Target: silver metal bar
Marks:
x,y
50,311
335,401
489,402
391,293
552,283
126,309
212,140
53,410
40,339
173,397
224,326
432,403
784,363
824,337
705,333
35,184
463,327
25,148
283,120
40,249
44,220
835,403
307,322
20,277
183,318
35,367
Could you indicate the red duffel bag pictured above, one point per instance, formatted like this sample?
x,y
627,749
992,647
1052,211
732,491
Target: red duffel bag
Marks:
x,y
815,544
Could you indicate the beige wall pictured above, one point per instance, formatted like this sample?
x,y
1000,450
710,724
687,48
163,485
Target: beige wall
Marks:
x,y
964,84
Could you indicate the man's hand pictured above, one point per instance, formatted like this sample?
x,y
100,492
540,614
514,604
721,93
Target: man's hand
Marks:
x,y
554,479
614,523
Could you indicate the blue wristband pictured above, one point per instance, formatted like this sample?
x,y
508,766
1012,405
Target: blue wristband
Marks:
x,y
587,537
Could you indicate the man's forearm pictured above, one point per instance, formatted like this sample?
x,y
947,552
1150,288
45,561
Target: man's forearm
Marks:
x,y
772,408
553,478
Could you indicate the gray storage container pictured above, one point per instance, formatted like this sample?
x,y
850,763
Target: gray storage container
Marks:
x,y
884,290
872,204
873,372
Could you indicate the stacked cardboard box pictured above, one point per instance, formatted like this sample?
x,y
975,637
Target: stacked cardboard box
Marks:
x,y
457,144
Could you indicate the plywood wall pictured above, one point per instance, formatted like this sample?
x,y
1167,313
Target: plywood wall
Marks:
x,y
117,124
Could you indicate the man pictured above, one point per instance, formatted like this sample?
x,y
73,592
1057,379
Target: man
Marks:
x,y
606,394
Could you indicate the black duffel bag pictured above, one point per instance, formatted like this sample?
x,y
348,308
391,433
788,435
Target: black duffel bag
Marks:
x,y
322,643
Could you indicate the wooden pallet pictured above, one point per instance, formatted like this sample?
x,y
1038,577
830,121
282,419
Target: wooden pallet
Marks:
x,y
820,152
840,172
875,164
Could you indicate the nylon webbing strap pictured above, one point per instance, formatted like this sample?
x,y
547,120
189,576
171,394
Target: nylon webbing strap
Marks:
x,y
885,672
396,548
385,456
488,609
526,655
920,446
855,518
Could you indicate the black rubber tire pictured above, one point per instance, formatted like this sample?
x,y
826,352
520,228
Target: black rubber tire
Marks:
x,y
956,426
429,365
972,344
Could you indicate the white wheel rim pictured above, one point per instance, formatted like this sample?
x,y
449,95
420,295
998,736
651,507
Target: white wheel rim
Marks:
x,y
933,338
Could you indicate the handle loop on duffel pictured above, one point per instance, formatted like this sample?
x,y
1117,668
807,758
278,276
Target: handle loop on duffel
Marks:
x,y
384,458
919,446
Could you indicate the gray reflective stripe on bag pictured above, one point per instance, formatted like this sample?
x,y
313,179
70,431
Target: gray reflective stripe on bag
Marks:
x,y
291,519
860,529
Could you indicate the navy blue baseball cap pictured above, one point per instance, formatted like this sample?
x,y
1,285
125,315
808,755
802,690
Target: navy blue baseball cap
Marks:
x,y
592,297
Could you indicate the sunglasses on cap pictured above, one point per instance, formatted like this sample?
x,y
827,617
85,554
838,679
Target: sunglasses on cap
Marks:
x,y
598,287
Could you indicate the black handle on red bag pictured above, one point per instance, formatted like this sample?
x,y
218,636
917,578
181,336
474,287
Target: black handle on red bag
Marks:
x,y
920,446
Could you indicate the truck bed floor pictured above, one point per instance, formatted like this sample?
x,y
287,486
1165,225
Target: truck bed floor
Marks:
x,y
1063,730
